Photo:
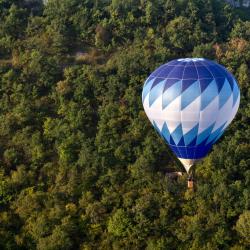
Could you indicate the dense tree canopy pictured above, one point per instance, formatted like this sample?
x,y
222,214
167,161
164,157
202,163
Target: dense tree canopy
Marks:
x,y
81,166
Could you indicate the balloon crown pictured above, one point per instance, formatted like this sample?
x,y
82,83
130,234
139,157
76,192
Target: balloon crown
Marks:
x,y
190,59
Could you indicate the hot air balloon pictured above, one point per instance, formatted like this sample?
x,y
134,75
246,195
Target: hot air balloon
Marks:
x,y
190,102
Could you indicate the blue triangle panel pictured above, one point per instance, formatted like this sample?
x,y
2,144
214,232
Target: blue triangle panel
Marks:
x,y
157,71
180,152
177,134
223,70
202,137
209,94
189,137
172,141
156,82
165,71
235,93
165,132
147,87
216,71
171,94
190,94
156,92
193,142
177,72
149,79
204,83
215,134
186,84
203,72
220,82
181,142
225,93
169,83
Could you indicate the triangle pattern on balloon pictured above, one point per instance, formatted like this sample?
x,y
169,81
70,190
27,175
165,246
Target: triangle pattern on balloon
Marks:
x,y
171,141
224,93
233,111
165,132
165,71
186,83
156,82
214,135
177,134
215,71
205,82
170,82
204,73
159,123
190,94
190,115
147,87
156,92
189,137
224,113
203,136
172,125
181,143
209,94
235,93
193,142
220,82
156,72
208,115
176,72
171,94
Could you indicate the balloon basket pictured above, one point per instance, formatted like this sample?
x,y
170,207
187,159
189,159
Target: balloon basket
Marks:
x,y
190,184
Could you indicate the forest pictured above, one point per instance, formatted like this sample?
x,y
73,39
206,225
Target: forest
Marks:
x,y
81,167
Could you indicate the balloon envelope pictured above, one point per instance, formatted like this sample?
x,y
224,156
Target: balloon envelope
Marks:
x,y
190,102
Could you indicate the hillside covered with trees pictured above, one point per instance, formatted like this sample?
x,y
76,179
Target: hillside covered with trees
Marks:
x,y
80,165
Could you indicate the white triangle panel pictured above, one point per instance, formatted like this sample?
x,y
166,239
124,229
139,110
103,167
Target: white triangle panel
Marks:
x,y
190,116
209,115
224,113
234,111
172,125
159,123
175,105
154,112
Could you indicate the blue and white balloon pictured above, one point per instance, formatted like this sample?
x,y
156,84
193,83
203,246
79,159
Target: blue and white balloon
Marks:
x,y
190,102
